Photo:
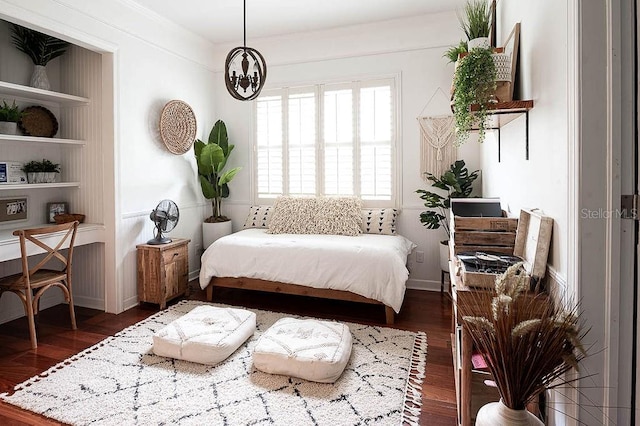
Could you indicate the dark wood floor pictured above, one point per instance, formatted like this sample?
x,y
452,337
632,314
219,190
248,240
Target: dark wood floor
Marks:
x,y
422,311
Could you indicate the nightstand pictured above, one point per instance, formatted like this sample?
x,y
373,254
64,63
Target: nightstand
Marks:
x,y
163,271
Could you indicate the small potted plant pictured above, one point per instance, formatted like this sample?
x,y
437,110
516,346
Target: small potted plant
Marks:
x,y
476,23
454,52
9,117
40,48
457,182
214,180
41,171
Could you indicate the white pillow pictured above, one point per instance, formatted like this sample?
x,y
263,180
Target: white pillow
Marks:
x,y
293,215
259,217
322,215
339,216
310,349
207,334
379,221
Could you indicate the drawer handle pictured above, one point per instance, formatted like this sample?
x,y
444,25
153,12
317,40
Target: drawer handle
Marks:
x,y
176,254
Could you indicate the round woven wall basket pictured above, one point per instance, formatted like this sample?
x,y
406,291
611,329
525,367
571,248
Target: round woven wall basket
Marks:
x,y
177,126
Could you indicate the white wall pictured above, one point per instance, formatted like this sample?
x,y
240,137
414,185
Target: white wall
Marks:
x,y
154,61
540,182
409,48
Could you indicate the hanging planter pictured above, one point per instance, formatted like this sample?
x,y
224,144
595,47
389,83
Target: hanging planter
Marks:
x,y
474,82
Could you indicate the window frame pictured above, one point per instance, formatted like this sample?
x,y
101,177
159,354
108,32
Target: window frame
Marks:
x,y
318,88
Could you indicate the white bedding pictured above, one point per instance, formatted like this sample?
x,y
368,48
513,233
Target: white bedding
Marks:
x,y
372,266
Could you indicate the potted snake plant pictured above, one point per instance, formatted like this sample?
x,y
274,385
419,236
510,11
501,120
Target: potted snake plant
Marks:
x,y
214,180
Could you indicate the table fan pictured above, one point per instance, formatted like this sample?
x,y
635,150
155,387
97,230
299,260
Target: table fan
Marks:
x,y
165,217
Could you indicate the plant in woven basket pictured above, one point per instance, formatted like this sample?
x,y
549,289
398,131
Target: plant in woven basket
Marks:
x,y
212,158
40,48
474,82
527,341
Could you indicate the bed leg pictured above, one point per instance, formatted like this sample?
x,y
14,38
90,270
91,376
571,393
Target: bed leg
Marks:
x,y
389,314
210,292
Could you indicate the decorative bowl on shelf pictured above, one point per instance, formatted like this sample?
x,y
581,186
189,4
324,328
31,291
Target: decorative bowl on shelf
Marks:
x,y
68,217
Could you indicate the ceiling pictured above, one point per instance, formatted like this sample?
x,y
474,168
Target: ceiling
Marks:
x,y
220,21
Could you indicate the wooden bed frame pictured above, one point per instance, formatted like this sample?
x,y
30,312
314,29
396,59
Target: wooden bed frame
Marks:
x,y
299,290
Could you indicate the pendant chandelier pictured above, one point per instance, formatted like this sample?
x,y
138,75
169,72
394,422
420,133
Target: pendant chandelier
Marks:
x,y
245,69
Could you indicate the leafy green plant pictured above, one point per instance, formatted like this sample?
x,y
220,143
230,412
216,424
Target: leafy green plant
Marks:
x,y
457,182
476,21
453,52
41,48
10,112
41,166
474,82
212,158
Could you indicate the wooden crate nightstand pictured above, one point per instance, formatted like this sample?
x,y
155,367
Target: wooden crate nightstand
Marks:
x,y
163,271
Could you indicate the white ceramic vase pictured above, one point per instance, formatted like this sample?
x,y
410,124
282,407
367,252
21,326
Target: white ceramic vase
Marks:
x,y
39,78
498,414
213,231
8,128
444,255
478,42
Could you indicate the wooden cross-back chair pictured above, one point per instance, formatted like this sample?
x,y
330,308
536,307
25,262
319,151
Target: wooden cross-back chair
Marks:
x,y
32,282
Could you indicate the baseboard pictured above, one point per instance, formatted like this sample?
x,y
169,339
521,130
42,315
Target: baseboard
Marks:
x,y
427,285
130,302
194,275
89,302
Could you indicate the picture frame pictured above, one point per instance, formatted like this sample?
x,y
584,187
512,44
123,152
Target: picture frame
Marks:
x,y
56,207
14,209
511,45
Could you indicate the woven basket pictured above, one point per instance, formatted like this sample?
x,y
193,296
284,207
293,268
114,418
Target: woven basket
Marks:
x,y
177,126
68,217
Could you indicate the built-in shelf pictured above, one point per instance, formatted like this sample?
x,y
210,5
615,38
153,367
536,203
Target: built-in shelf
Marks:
x,y
503,113
43,140
88,233
12,89
11,186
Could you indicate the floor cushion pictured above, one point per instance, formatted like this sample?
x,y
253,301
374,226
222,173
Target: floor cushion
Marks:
x,y
206,334
309,349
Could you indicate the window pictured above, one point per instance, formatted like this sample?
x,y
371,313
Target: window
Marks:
x,y
328,139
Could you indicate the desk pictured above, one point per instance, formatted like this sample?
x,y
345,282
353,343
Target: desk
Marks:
x,y
88,233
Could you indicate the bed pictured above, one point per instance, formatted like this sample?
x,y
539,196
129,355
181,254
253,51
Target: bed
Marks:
x,y
365,268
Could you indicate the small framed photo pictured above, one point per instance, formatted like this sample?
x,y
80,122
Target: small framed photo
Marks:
x,y
56,208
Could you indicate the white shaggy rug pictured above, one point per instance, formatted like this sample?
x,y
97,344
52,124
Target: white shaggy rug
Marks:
x,y
119,381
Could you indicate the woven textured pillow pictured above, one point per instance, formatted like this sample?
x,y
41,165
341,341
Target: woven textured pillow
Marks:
x,y
293,215
259,217
379,221
339,216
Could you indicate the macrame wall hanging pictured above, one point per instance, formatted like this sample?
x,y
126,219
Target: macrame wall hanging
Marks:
x,y
438,149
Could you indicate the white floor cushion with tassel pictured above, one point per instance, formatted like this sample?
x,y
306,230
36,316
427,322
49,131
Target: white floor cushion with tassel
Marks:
x,y
310,349
206,335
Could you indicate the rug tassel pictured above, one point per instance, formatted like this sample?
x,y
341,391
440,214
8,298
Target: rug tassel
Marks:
x,y
413,392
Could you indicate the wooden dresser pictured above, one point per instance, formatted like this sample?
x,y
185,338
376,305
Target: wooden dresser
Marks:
x,y
163,271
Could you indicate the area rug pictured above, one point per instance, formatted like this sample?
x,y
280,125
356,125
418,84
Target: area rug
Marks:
x,y
119,381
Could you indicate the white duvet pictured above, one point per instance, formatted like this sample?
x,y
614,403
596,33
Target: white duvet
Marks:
x,y
372,266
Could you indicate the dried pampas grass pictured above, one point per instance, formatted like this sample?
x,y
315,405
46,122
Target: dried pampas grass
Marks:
x,y
527,342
